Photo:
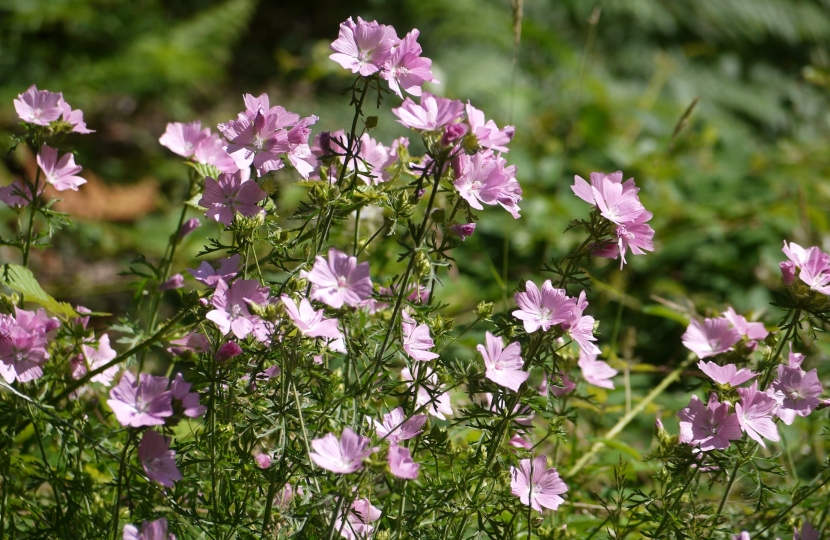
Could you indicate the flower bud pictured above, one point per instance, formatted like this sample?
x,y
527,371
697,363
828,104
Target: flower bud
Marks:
x,y
484,310
188,227
463,230
787,272
453,132
371,122
227,351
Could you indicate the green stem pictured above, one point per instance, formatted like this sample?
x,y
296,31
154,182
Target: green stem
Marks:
x,y
795,503
117,504
34,207
675,504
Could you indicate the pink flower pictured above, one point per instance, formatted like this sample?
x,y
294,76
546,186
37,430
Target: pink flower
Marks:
x,y
310,322
595,371
182,139
229,195
184,400
431,115
750,330
211,151
416,339
635,235
481,178
363,47
193,342
176,281
787,272
708,427
807,532
814,265
581,328
263,461
17,194
727,375
343,456
340,280
188,227
755,413
206,274
356,525
227,351
372,158
61,173
259,139
487,132
231,303
503,365
617,202
23,342
143,403
101,356
74,117
713,337
406,69
796,391
299,152
543,309
567,387
396,428
158,460
155,530
743,536
537,486
430,394
463,230
39,107
401,464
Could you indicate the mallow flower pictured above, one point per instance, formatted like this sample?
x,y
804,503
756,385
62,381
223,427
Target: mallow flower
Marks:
x,y
713,336
543,308
755,412
536,485
229,194
709,426
339,280
152,530
231,312
503,364
433,113
39,107
158,460
61,173
363,47
342,456
146,402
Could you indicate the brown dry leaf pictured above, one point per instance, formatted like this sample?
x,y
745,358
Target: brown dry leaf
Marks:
x,y
98,201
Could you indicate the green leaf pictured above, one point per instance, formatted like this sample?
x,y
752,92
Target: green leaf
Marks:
x,y
21,280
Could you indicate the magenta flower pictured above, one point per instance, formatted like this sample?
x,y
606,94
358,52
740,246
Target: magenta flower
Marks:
x,y
182,139
363,47
430,394
263,461
463,230
310,322
416,339
617,202
713,337
432,114
755,412
581,328
229,195
259,140
487,132
231,303
340,280
503,365
396,427
101,356
796,391
154,530
543,309
728,375
227,351
184,400
406,69
708,427
401,464
480,178
74,117
23,342
356,525
537,486
341,456
210,276
158,460
143,403
595,371
39,107
61,173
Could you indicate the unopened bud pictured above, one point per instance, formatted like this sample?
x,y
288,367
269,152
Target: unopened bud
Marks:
x,y
227,351
484,310
787,272
453,132
371,122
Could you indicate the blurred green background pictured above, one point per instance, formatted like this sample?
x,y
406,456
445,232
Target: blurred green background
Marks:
x,y
598,86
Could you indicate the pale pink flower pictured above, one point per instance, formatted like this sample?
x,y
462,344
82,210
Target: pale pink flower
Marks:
x,y
176,281
617,202
210,276
713,337
709,426
182,138
595,371
430,393
371,160
487,132
184,400
751,330
543,309
259,139
400,463
299,152
154,530
796,391
101,356
61,173
807,532
263,461
814,265
74,118
503,365
537,486
581,328
635,235
146,402
39,107
211,151
726,375
432,114
755,412
406,69
363,47
340,280
567,387
23,343
158,460
231,303
356,525
480,178
415,339
396,427
19,195
230,194
787,272
193,342
310,322
341,456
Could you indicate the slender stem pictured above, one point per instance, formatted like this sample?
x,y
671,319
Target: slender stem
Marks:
x,y
121,467
732,476
167,263
302,426
46,465
33,211
674,505
795,503
334,517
